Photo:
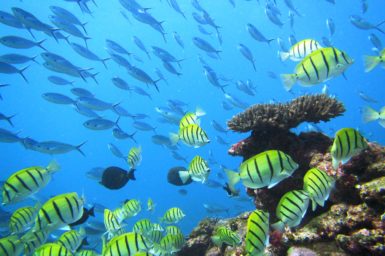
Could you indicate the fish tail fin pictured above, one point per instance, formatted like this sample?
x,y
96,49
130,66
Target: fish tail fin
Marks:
x,y
179,61
66,38
22,74
82,231
233,177
155,83
174,138
9,119
34,59
370,62
53,166
279,225
131,174
104,62
288,80
253,63
91,212
78,148
85,40
199,112
335,163
270,40
40,44
93,76
284,55
313,204
132,136
184,176
83,25
369,114
382,123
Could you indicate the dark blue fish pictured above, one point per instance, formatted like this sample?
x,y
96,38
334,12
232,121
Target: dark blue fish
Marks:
x,y
20,42
68,16
174,4
178,39
247,54
256,34
120,83
86,53
205,46
6,68
59,80
170,68
114,46
10,20
140,45
142,76
14,58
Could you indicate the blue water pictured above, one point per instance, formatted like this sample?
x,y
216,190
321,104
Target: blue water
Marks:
x,y
36,118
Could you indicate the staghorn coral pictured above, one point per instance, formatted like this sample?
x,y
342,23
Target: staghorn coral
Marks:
x,y
265,117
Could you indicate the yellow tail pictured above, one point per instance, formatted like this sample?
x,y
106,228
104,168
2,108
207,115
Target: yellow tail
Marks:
x,y
288,80
370,62
369,114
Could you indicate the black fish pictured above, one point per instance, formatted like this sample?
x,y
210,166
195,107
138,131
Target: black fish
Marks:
x,y
115,178
174,178
86,214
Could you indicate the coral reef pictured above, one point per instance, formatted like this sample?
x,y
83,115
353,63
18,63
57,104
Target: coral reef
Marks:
x,y
351,222
265,117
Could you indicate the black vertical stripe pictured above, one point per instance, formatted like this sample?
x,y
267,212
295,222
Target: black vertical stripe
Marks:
x,y
259,227
304,48
126,243
326,64
314,67
4,249
248,173
70,207
286,216
280,161
289,210
118,247
58,212
340,144
40,174
318,189
33,178
136,242
294,203
348,142
307,74
335,55
270,167
257,170
46,216
344,56
23,183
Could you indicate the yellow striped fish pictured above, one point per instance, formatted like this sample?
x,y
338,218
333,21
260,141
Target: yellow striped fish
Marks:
x,y
23,218
265,169
155,236
86,253
134,157
371,62
198,170
131,207
51,249
318,67
72,239
192,135
300,50
112,224
171,243
369,115
257,234
225,235
142,227
150,205
27,182
33,240
59,211
173,215
318,185
347,143
126,244
11,246
143,254
291,209
174,230
191,118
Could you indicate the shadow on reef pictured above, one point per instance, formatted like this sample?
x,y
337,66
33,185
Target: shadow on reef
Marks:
x,y
350,223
